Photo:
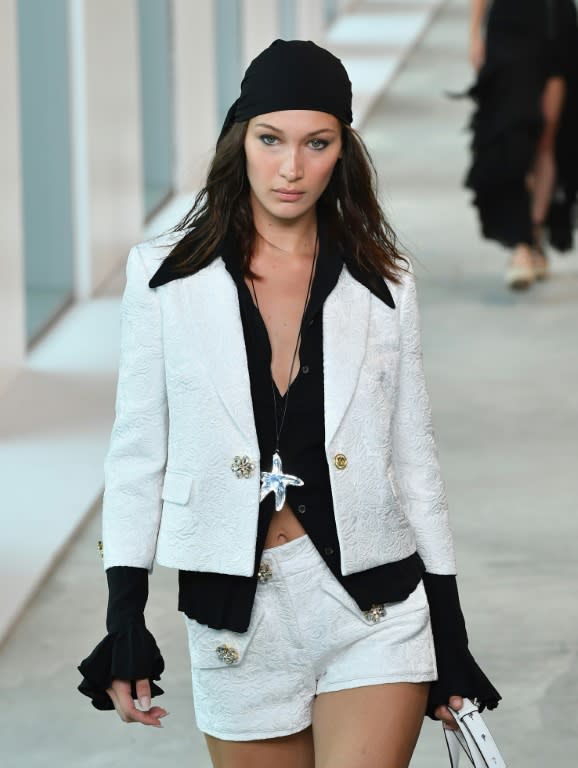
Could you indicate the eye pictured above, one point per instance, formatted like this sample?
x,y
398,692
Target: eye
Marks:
x,y
318,144
269,140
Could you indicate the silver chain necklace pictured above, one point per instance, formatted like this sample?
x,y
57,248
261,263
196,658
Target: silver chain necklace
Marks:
x,y
276,481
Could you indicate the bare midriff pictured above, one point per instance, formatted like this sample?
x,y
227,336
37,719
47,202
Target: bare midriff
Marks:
x,y
284,527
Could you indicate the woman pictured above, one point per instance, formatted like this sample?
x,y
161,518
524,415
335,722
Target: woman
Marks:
x,y
524,171
271,398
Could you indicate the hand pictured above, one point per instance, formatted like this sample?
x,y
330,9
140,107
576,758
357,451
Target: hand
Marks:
x,y
121,697
477,51
443,713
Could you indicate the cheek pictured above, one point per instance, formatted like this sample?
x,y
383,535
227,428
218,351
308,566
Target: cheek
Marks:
x,y
259,168
321,171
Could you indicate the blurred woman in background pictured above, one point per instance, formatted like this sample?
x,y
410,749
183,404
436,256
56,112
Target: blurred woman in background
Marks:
x,y
524,171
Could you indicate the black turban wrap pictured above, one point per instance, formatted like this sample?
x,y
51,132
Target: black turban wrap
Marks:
x,y
292,74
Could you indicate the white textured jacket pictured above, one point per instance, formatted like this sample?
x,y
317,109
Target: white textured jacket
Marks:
x,y
184,412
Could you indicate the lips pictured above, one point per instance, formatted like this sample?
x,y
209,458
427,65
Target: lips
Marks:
x,y
288,195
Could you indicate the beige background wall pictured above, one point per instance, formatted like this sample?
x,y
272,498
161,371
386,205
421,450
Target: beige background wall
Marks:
x,y
12,343
260,27
195,91
114,132
310,19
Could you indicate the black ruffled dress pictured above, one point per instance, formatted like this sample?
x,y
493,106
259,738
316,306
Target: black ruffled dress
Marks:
x,y
527,42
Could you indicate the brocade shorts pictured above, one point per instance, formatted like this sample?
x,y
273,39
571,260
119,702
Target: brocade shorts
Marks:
x,y
307,636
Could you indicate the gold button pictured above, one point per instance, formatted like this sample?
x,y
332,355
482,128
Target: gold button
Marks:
x,y
340,460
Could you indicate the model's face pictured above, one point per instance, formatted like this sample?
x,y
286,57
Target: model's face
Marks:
x,y
290,159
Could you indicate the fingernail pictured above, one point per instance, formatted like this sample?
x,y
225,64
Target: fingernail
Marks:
x,y
164,714
145,702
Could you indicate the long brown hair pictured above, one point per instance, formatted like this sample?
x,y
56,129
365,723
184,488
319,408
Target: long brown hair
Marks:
x,y
349,202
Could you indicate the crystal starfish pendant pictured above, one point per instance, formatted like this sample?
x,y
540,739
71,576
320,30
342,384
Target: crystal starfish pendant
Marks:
x,y
276,482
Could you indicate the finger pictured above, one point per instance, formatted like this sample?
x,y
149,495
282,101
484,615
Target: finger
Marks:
x,y
152,717
443,714
117,705
456,703
124,705
143,694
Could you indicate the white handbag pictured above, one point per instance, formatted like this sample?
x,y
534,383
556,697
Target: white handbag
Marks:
x,y
474,737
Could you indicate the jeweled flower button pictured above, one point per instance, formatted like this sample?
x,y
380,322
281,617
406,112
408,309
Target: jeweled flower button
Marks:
x,y
243,467
265,572
227,654
375,613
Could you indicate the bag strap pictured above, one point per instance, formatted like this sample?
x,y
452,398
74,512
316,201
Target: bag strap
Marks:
x,y
474,737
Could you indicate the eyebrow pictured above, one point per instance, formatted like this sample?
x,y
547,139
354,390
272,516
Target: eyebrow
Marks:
x,y
278,130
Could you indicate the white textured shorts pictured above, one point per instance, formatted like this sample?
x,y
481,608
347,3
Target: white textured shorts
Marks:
x,y
307,636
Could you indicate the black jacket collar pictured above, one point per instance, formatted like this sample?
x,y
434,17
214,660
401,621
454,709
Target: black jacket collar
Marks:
x,y
329,265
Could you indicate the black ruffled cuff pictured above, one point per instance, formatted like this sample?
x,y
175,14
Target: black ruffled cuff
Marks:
x,y
458,672
130,654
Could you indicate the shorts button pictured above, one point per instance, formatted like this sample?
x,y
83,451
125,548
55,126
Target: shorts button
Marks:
x,y
375,613
302,508
265,572
328,551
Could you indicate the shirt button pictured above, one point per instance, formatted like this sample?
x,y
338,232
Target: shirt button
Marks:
x,y
328,550
305,369
302,508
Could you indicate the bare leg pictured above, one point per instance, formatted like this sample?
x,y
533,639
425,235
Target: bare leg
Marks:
x,y
295,751
376,726
544,171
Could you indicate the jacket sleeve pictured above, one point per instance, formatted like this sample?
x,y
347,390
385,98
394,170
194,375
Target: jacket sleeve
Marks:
x,y
136,459
415,456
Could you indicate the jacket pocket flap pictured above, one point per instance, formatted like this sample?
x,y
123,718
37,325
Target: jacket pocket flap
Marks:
x,y
177,487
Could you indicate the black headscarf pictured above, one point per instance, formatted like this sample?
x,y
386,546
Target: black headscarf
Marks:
x,y
292,74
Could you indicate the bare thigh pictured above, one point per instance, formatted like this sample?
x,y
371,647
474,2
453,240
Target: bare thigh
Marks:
x,y
375,726
552,103
295,751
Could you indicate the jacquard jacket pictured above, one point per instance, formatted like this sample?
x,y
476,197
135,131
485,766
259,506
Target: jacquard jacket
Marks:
x,y
184,412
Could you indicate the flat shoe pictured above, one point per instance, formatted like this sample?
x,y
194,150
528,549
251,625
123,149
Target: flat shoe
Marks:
x,y
518,278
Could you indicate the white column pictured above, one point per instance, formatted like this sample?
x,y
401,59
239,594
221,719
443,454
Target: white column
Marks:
x,y
12,292
344,5
195,91
79,150
114,141
310,20
261,25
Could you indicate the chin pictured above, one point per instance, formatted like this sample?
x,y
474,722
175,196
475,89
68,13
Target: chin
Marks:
x,y
289,211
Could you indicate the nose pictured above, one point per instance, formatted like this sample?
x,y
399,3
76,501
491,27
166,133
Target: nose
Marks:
x,y
292,166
